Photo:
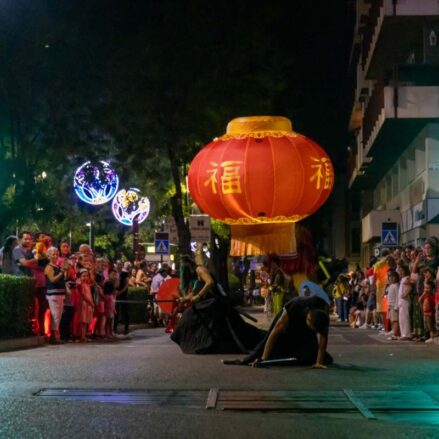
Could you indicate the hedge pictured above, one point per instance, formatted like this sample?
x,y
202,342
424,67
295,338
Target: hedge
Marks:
x,y
137,311
16,305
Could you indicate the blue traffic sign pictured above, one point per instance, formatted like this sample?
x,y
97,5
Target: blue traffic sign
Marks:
x,y
162,243
389,235
161,247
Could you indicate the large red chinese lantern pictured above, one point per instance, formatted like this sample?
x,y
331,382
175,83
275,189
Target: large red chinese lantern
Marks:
x,y
261,177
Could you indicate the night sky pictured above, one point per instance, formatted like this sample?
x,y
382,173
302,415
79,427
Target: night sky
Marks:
x,y
321,34
315,36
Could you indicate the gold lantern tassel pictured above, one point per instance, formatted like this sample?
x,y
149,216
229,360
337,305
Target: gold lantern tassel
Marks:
x,y
262,239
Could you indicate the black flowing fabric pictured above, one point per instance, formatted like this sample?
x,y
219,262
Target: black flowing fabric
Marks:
x,y
298,340
214,326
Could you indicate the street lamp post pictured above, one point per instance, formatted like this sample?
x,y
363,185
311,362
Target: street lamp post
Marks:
x,y
90,232
136,237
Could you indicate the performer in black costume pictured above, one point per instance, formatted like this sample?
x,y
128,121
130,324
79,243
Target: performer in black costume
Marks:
x,y
293,334
210,324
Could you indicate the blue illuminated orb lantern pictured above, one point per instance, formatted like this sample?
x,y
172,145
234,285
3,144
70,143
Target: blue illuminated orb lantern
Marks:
x,y
128,204
95,183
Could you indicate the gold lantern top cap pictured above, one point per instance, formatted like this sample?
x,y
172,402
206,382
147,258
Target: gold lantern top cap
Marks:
x,y
259,126
249,124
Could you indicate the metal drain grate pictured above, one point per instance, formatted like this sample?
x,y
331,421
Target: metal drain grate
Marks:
x,y
276,400
397,400
370,403
169,398
331,401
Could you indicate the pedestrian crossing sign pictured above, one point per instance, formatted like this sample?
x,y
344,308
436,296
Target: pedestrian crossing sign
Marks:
x,y
389,235
162,243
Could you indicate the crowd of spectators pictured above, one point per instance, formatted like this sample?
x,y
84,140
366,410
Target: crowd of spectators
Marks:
x,y
79,289
397,294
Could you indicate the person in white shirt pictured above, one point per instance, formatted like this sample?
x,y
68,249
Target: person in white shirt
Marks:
x,y
392,300
405,287
156,283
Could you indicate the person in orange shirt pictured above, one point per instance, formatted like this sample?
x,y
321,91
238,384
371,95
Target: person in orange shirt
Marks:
x,y
380,270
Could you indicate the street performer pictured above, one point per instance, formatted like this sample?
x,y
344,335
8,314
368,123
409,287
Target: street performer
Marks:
x,y
210,324
299,334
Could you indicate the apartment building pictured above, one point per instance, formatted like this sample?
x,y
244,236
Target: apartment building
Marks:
x,y
393,158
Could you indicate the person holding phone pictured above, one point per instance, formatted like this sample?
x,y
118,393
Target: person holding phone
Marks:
x,y
56,292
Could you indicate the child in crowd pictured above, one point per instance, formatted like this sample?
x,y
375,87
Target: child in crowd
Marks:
x,y
392,301
43,243
357,313
405,288
427,302
87,304
100,307
369,291
110,301
342,296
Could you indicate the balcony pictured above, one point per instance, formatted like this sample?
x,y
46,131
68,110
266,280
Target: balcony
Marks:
x,y
371,224
371,31
396,112
395,33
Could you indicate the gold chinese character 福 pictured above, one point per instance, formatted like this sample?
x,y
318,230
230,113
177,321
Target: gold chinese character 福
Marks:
x,y
323,172
230,178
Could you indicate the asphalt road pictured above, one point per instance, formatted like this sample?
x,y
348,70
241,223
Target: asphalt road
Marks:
x,y
150,361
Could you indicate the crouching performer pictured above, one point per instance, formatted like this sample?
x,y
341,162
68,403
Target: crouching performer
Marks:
x,y
298,335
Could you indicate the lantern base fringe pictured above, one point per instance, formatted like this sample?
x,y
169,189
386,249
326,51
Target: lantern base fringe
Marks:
x,y
263,239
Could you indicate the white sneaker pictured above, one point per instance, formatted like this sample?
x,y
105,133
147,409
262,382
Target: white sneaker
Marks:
x,y
430,340
363,326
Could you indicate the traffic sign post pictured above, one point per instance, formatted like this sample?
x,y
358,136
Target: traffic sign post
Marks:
x,y
389,235
162,243
200,228
170,227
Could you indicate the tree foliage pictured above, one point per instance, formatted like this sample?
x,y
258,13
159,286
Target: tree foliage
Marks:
x,y
145,84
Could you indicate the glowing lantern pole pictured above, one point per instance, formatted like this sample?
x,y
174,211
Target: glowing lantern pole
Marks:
x,y
95,183
131,209
261,178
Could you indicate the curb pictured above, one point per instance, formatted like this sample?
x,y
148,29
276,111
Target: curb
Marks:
x,y
14,344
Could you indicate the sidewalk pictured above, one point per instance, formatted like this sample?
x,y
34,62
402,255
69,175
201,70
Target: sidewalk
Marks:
x,y
13,344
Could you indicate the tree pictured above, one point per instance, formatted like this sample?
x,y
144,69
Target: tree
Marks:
x,y
182,72
146,86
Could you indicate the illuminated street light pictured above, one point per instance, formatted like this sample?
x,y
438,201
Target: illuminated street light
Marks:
x,y
90,228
